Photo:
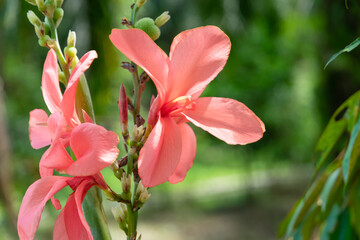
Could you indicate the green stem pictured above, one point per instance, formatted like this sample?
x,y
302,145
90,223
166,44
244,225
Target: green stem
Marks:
x,y
57,49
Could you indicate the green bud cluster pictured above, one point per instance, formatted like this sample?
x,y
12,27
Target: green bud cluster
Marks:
x,y
151,27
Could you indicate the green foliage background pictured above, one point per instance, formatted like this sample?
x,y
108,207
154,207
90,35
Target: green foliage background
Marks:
x,y
279,49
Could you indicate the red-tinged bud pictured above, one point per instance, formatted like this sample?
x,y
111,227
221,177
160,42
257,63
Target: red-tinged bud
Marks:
x,y
123,110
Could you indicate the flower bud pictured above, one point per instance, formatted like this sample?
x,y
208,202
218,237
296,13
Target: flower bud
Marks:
x,y
138,132
162,19
59,3
123,110
33,19
32,2
58,16
51,43
148,26
41,5
62,78
126,182
120,215
43,40
140,3
140,189
70,53
50,6
144,196
71,39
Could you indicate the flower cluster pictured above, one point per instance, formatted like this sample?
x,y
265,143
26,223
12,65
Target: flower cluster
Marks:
x,y
93,147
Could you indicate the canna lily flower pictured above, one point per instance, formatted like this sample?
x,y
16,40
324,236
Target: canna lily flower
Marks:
x,y
56,129
71,223
94,149
196,57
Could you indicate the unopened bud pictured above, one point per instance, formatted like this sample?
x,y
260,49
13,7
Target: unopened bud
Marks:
x,y
33,19
123,111
144,196
51,43
58,16
148,26
41,5
50,6
126,182
32,2
162,19
62,78
70,54
138,133
118,213
140,3
140,189
71,39
43,40
59,3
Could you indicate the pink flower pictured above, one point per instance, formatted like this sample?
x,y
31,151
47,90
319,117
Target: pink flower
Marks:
x,y
196,57
94,148
70,223
56,129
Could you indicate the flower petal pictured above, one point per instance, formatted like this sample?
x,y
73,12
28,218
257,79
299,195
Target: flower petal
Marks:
x,y
56,157
94,148
160,154
71,223
39,132
34,202
141,49
188,152
196,57
50,83
68,102
226,119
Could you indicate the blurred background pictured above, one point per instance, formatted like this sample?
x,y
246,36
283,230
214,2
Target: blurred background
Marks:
x,y
279,50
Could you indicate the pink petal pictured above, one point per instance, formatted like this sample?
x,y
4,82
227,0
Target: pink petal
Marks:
x,y
39,133
71,223
94,148
34,202
68,102
161,153
226,119
188,151
50,83
196,56
56,158
139,48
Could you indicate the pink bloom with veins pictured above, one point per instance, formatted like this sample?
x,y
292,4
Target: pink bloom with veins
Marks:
x,y
196,57
56,129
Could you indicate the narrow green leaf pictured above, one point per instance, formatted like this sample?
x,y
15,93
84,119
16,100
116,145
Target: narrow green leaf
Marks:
x,y
330,223
94,214
349,150
328,188
348,48
354,207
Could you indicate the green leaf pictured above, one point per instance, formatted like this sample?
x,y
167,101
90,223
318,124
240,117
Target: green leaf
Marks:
x,y
328,188
348,165
94,214
348,48
343,229
330,222
343,117
354,207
